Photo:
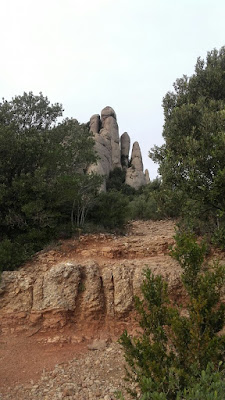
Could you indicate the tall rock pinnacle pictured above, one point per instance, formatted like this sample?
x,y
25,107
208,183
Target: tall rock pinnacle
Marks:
x,y
125,149
109,123
135,176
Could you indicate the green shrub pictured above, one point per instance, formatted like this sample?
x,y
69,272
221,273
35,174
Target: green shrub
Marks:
x,y
142,208
116,179
110,210
116,182
166,360
155,202
11,255
210,386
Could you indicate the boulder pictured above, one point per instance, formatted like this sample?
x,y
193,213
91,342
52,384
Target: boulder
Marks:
x,y
107,112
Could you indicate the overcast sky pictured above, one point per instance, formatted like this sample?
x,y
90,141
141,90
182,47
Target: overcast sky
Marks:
x,y
93,53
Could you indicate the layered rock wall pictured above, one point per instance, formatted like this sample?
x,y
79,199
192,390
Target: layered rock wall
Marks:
x,y
113,151
90,280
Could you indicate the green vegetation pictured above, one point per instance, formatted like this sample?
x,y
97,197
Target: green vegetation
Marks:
x,y
116,182
178,354
44,188
154,202
110,210
46,194
192,162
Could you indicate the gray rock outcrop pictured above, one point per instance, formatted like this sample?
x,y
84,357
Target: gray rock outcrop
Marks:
x,y
95,123
125,149
106,113
147,178
113,151
109,123
135,176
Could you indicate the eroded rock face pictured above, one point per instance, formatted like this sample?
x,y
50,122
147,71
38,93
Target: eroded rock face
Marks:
x,y
136,157
103,149
147,178
95,123
96,283
113,152
110,124
135,176
125,149
71,290
106,143
106,113
58,288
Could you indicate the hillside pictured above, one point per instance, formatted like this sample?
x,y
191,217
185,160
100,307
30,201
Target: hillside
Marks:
x,y
72,299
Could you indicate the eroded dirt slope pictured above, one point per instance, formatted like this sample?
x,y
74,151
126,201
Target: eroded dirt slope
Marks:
x,y
55,307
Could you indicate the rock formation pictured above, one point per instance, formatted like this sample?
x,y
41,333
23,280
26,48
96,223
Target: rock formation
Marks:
x,y
94,281
109,123
125,149
95,123
113,152
135,176
147,178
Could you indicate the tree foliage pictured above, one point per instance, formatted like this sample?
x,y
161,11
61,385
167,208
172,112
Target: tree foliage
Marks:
x,y
192,158
110,210
166,360
43,166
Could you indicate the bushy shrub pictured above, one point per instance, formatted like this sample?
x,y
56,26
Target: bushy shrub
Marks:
x,y
11,255
166,360
116,179
110,210
116,182
210,386
155,202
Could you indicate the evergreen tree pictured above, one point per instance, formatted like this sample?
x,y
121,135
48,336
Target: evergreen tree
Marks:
x,y
192,159
43,165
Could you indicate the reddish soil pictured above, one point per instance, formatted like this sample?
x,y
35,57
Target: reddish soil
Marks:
x,y
24,355
24,358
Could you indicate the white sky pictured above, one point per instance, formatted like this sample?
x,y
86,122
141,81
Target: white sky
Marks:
x,y
92,53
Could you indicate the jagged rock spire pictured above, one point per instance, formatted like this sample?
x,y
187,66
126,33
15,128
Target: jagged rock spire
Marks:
x,y
135,176
109,123
125,149
147,178
136,157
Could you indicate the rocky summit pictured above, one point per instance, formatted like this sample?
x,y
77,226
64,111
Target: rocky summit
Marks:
x,y
113,151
